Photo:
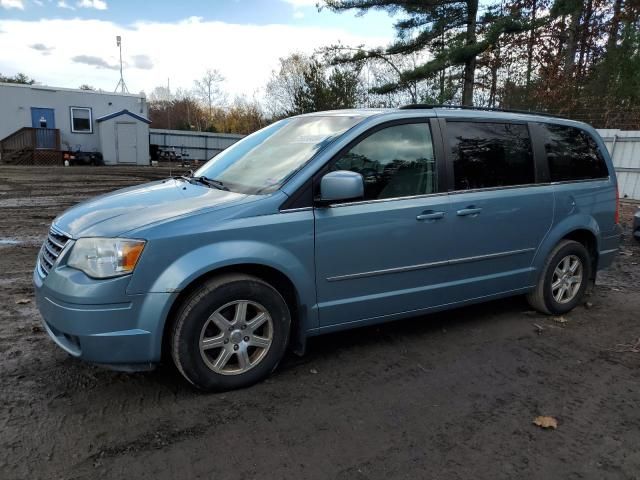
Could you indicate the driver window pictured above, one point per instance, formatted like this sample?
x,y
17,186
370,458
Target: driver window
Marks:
x,y
395,162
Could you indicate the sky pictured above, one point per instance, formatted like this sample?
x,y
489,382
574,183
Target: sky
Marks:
x,y
67,43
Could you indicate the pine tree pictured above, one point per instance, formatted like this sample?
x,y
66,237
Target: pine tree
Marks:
x,y
423,25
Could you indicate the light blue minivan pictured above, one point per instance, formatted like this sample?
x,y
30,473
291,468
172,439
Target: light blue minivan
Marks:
x,y
324,222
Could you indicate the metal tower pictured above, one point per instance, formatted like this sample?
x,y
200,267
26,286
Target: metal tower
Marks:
x,y
121,85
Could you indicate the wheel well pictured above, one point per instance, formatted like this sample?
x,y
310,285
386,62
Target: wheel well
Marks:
x,y
272,276
588,239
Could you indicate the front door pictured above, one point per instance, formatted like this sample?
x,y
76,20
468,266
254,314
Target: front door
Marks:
x,y
385,254
127,142
499,214
44,118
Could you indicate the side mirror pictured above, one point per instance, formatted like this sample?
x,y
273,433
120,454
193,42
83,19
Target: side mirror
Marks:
x,y
341,185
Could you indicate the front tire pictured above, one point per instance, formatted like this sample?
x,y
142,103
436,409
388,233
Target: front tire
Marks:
x,y
564,279
230,333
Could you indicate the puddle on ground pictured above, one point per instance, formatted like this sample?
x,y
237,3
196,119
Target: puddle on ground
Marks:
x,y
35,201
9,241
27,240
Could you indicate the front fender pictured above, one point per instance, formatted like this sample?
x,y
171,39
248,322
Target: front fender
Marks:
x,y
192,265
208,258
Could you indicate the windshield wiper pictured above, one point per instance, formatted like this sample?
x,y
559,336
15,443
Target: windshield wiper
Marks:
x,y
210,182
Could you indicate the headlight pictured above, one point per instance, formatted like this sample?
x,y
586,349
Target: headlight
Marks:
x,y
105,257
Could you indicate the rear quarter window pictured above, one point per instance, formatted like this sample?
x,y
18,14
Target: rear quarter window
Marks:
x,y
572,154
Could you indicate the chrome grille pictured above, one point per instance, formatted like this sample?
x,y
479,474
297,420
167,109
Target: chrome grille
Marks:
x,y
50,251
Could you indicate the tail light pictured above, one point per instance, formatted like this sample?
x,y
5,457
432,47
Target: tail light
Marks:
x,y
616,217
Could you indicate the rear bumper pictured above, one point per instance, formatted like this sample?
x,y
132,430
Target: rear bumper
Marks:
x,y
124,335
609,247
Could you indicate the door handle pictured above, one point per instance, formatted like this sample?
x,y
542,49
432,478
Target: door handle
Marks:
x,y
468,211
429,215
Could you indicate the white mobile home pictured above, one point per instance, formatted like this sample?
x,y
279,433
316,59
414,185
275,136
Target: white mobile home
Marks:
x,y
39,123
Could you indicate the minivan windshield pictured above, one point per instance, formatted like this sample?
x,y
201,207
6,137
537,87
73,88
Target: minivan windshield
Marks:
x,y
263,161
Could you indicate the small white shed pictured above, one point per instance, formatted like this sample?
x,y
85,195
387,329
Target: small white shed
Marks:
x,y
124,138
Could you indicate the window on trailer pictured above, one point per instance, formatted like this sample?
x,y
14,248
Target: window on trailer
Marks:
x,y
81,121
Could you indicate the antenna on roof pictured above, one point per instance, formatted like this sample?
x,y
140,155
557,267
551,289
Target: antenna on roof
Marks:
x,y
121,85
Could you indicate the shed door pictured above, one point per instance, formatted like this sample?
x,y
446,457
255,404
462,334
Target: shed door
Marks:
x,y
127,143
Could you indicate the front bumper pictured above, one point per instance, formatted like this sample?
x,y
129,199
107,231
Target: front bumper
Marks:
x,y
96,320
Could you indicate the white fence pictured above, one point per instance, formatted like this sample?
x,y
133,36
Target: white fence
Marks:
x,y
192,145
624,147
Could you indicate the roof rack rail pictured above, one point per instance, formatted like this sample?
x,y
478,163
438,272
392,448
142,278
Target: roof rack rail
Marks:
x,y
417,106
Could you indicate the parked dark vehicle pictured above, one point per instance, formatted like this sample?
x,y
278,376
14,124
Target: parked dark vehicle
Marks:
x,y
84,158
154,152
325,222
636,225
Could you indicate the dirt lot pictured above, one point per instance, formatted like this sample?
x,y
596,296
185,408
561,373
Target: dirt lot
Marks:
x,y
446,396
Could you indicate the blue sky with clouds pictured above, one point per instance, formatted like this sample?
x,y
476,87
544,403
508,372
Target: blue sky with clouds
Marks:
x,y
70,42
258,12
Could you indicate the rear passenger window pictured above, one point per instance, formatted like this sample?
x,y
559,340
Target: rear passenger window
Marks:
x,y
489,155
395,162
572,154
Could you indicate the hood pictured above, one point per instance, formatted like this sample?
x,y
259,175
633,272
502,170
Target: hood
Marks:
x,y
123,210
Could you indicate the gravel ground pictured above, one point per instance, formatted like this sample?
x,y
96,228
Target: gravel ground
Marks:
x,y
446,396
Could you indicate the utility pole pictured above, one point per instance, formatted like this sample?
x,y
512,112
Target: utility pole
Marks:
x,y
168,104
121,85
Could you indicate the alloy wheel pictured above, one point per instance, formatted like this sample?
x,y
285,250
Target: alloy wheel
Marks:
x,y
236,337
567,279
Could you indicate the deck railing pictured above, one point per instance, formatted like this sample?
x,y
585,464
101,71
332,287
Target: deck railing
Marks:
x,y
31,146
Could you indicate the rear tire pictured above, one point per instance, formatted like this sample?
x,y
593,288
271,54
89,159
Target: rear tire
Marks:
x,y
564,279
230,333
